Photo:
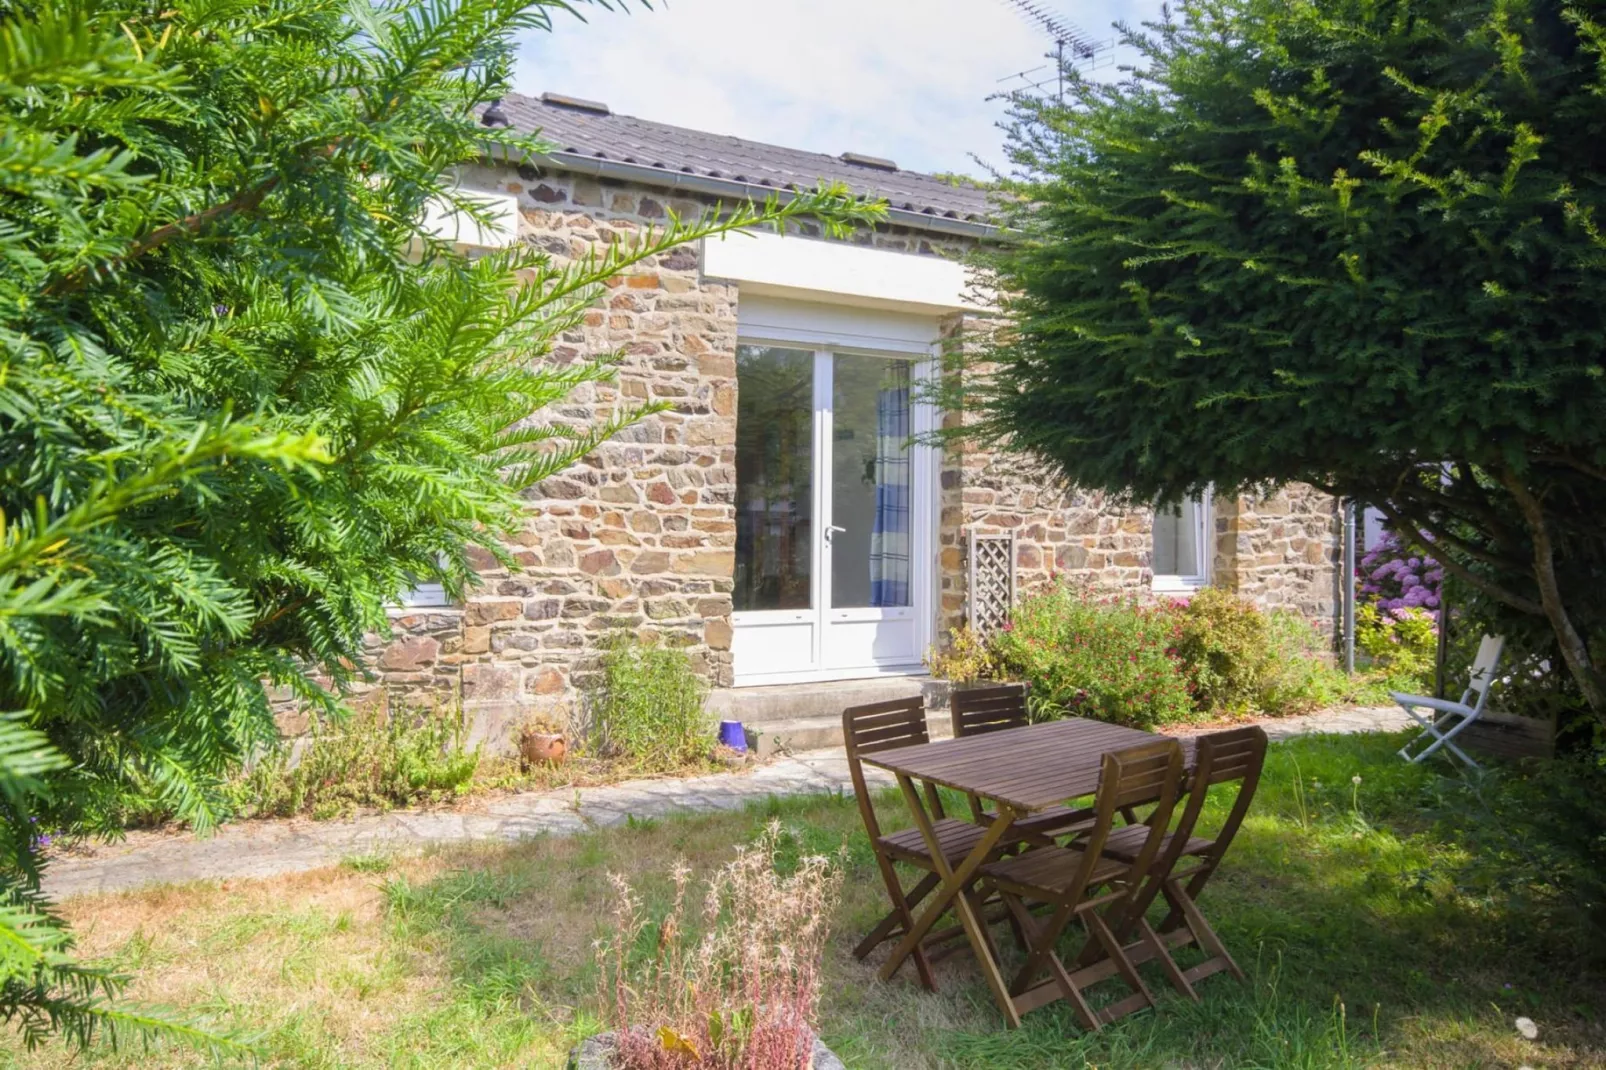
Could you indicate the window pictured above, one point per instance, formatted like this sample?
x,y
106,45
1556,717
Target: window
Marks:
x,y
425,595
1182,545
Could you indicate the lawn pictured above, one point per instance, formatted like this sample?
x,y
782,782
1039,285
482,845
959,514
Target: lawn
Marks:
x,y
1335,899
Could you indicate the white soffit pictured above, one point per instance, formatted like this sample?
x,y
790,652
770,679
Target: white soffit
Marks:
x,y
811,269
444,221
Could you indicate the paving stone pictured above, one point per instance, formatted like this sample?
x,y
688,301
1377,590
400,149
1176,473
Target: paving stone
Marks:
x,y
269,848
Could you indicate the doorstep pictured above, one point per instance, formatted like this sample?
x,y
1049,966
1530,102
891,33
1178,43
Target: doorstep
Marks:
x,y
792,717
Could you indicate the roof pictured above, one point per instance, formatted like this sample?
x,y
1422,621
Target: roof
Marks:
x,y
589,137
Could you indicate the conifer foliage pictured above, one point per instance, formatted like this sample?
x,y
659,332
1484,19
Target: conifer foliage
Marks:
x,y
1353,243
247,396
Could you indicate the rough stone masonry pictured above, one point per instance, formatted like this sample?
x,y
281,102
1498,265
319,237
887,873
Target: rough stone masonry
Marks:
x,y
640,536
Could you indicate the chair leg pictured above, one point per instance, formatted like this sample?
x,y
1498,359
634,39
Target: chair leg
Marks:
x,y
1220,958
1158,952
890,926
1040,942
1129,973
976,900
1440,739
1185,913
906,918
1073,994
1042,938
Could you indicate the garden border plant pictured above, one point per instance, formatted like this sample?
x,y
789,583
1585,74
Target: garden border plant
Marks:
x,y
1130,659
646,705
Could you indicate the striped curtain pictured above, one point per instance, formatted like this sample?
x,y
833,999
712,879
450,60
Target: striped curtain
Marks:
x,y
889,538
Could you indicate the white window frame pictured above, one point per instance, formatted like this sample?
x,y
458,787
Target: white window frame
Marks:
x,y
424,596
1205,546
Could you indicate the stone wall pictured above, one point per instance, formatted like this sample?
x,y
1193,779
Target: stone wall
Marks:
x,y
1283,551
1059,532
1280,551
640,536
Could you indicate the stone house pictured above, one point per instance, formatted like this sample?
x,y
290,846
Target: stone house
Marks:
x,y
777,521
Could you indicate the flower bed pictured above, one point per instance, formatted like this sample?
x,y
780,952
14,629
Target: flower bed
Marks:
x,y
1141,662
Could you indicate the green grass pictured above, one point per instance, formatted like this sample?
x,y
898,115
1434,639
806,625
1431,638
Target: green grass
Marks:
x,y
1337,898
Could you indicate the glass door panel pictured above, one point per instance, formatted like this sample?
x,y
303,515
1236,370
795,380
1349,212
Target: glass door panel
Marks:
x,y
775,531
870,481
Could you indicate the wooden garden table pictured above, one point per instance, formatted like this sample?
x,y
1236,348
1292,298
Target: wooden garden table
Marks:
x,y
1022,770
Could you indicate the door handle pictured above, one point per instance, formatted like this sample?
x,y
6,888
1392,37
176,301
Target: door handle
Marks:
x,y
832,529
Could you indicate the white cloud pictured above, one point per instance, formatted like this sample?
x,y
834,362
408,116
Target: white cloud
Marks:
x,y
906,79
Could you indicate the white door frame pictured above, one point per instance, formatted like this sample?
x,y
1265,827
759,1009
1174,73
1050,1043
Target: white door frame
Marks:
x,y
826,331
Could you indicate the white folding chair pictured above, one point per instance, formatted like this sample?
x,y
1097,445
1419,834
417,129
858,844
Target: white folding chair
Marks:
x,y
1449,718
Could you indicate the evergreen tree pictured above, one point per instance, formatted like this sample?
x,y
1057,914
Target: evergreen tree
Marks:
x,y
1352,243
247,397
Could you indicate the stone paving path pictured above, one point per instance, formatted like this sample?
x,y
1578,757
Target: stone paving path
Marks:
x,y
268,848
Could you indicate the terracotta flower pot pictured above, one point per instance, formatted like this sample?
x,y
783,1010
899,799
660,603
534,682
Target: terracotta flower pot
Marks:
x,y
542,747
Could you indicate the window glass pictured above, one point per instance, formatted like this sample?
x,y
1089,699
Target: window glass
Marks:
x,y
774,478
869,481
1178,532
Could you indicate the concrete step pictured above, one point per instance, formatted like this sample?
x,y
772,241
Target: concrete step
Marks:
x,y
819,732
786,703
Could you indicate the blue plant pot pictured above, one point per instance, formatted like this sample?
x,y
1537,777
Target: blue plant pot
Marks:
x,y
733,735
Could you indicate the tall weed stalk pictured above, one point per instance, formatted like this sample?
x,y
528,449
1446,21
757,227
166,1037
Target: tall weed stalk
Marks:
x,y
742,995
647,707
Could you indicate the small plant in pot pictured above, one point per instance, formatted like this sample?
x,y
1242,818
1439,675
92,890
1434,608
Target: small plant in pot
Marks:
x,y
542,741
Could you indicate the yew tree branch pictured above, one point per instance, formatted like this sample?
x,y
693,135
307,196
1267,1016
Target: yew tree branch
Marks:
x,y
1401,520
246,200
1573,648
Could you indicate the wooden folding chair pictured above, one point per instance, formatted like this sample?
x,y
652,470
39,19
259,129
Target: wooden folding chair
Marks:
x,y
1220,758
882,726
978,710
1075,882
1450,718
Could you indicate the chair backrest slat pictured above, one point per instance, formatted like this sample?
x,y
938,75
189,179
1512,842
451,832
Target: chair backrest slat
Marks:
x,y
1484,667
987,709
1142,778
1149,772
978,710
1237,754
876,727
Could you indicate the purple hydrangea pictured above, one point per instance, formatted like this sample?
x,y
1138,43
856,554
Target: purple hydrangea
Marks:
x,y
1395,577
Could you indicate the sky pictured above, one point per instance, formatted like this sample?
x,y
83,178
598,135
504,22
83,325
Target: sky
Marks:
x,y
907,80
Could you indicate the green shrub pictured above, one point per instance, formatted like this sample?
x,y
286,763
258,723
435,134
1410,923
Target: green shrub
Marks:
x,y
1300,675
1402,644
966,659
647,707
1226,651
366,759
1122,660
1108,658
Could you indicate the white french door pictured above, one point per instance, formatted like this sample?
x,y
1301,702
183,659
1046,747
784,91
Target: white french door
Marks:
x,y
833,513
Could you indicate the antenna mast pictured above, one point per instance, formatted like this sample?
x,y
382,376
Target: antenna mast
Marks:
x,y
1066,35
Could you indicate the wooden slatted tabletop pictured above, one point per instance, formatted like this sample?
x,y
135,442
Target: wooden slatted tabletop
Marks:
x,y
1029,768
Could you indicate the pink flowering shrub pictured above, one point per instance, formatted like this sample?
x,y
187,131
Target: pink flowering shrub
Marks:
x,y
1143,663
740,993
1111,658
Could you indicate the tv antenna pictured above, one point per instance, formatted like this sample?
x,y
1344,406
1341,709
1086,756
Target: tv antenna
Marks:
x,y
1069,39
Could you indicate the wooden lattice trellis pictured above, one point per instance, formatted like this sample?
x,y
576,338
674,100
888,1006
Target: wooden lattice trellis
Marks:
x,y
991,591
